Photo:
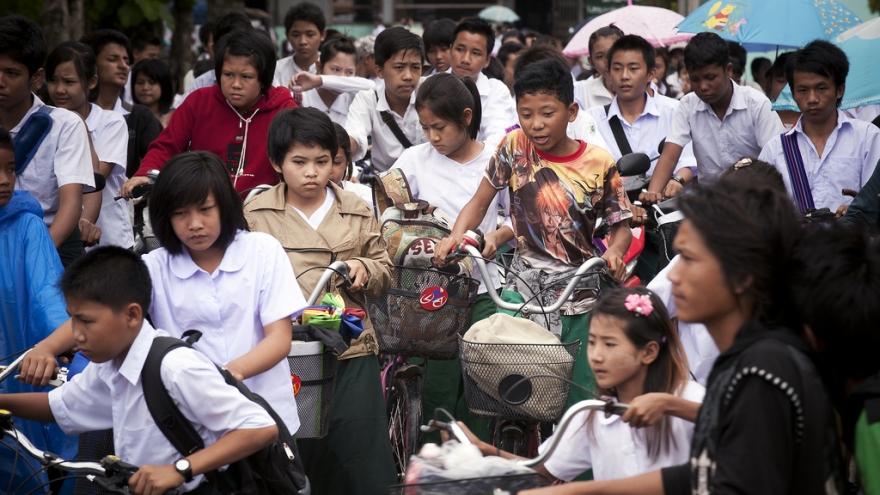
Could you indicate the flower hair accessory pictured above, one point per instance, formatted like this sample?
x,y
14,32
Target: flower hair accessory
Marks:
x,y
640,305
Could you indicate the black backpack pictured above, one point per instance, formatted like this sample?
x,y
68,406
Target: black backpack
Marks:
x,y
276,469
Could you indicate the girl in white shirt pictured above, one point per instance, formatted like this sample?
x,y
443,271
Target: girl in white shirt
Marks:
x,y
596,91
342,168
71,72
637,359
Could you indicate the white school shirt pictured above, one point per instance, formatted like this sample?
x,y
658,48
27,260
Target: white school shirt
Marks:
x,y
645,134
364,120
63,158
498,110
110,138
747,126
618,450
591,92
850,156
449,185
287,68
111,395
584,128
205,80
318,216
347,87
699,347
365,192
253,286
867,113
118,108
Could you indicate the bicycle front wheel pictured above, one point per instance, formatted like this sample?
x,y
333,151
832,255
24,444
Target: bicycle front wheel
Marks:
x,y
404,418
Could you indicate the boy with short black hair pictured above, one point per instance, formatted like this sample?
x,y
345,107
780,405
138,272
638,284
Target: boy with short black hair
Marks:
x,y
826,151
438,38
62,165
318,222
471,52
305,28
113,52
108,291
507,56
724,121
388,113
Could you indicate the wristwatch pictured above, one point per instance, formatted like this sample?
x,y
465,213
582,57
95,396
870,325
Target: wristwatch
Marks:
x,y
679,179
183,467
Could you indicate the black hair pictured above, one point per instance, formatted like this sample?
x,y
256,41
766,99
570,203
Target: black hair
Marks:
x,y
668,373
304,126
512,33
205,33
82,57
6,140
507,50
475,25
756,66
495,69
110,276
608,31
819,57
396,39
706,50
305,11
144,38
439,33
736,68
333,47
635,43
536,53
778,67
332,34
748,171
99,39
202,66
345,145
229,22
735,50
253,44
752,232
187,179
160,73
447,96
22,40
546,76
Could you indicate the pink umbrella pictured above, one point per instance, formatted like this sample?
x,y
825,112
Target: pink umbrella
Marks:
x,y
655,24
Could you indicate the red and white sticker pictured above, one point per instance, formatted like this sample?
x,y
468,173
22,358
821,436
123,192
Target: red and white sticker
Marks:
x,y
297,384
434,298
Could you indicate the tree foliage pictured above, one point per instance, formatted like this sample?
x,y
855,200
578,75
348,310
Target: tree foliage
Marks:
x,y
129,13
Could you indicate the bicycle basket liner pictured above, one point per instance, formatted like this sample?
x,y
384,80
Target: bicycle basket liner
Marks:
x,y
92,446
474,486
485,366
313,376
402,323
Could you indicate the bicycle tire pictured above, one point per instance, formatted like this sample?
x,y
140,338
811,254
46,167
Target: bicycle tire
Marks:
x,y
514,440
404,418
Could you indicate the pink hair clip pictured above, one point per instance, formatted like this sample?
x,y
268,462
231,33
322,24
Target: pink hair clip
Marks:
x,y
640,305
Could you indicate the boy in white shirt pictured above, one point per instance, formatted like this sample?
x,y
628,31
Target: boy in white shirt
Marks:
x,y
471,51
724,121
304,25
826,151
107,293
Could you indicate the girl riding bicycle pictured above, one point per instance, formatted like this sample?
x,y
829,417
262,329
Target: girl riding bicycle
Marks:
x,y
637,359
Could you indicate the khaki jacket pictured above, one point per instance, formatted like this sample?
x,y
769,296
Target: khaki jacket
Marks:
x,y
348,232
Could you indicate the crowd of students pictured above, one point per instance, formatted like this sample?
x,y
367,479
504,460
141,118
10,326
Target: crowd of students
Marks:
x,y
777,315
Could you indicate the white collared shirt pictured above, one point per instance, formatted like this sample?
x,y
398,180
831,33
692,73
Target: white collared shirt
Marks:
x,y
287,68
591,92
109,134
207,79
253,287
110,395
645,134
617,450
364,120
365,192
449,185
119,108
62,158
318,216
747,126
584,128
498,110
347,87
847,162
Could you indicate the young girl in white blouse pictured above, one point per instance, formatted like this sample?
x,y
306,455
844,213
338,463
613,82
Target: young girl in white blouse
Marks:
x,y
637,359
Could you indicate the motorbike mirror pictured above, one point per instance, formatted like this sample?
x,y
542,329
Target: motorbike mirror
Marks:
x,y
660,146
515,389
633,164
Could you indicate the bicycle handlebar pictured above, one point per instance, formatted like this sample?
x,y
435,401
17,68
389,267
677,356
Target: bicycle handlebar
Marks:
x,y
6,371
337,267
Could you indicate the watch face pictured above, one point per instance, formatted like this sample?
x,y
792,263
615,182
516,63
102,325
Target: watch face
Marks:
x,y
181,464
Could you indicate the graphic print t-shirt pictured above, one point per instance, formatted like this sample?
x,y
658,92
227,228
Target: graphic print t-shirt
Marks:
x,y
556,200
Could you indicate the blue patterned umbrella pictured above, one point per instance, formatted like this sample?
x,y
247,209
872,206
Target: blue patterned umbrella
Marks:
x,y
498,13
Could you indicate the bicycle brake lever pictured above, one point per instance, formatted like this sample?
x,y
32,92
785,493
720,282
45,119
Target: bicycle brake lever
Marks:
x,y
612,408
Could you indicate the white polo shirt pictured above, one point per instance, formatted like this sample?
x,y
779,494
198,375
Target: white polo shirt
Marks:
x,y
449,185
747,126
63,158
287,68
645,134
253,286
110,138
111,395
616,450
847,162
346,87
498,110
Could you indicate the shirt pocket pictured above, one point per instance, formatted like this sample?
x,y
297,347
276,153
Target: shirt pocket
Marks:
x,y
837,173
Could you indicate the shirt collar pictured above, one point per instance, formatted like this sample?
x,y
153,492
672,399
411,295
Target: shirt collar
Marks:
x,y
737,101
34,107
482,84
650,108
137,355
842,120
183,266
94,116
382,104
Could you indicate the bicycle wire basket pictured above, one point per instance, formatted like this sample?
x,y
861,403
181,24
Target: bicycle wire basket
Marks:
x,y
313,375
490,369
473,486
423,313
92,446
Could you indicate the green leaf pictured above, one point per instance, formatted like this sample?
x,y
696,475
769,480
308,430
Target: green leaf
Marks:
x,y
149,8
130,14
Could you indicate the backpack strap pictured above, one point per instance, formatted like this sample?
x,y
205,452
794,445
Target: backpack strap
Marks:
x,y
391,189
619,135
395,129
31,136
800,185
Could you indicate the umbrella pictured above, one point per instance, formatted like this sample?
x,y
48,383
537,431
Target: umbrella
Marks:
x,y
655,24
498,13
861,45
779,23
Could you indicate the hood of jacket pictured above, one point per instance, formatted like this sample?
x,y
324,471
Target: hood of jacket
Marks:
x,y
271,100
21,202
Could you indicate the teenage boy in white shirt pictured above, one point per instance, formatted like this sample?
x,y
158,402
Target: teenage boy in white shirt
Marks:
x,y
724,121
112,51
836,152
107,292
305,28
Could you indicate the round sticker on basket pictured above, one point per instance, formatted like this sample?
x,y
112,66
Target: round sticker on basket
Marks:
x,y
434,298
297,384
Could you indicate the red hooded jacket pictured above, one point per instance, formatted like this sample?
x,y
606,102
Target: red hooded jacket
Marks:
x,y
205,121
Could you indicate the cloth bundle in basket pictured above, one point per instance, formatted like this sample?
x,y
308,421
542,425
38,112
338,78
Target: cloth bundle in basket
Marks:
x,y
502,350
